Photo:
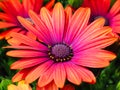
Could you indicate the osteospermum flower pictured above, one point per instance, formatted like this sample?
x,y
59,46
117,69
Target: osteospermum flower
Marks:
x,y
64,48
101,8
13,8
21,86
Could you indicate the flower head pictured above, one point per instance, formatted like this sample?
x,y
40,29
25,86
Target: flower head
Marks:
x,y
13,8
64,48
21,86
101,8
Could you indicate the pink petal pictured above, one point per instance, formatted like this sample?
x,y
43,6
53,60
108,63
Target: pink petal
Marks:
x,y
27,62
37,5
8,6
17,6
116,29
59,75
115,24
115,8
47,19
72,75
102,8
107,55
101,32
98,7
92,62
94,34
101,42
38,71
115,18
25,53
58,17
31,35
46,77
22,47
38,31
85,74
28,41
93,27
78,21
98,43
28,5
89,58
68,15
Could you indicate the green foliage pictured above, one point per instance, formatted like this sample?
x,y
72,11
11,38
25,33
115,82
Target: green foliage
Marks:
x,y
118,86
4,82
108,79
75,3
64,2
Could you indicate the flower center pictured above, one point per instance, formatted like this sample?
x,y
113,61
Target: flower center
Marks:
x,y
106,20
60,52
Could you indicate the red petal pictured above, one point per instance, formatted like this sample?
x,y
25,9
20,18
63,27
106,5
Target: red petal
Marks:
x,y
6,25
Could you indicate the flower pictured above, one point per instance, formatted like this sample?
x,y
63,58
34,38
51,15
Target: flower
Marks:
x,y
21,86
12,9
65,47
101,8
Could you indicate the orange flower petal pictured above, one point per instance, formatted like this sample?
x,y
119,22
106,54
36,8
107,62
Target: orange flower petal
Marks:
x,y
6,25
38,71
72,75
59,75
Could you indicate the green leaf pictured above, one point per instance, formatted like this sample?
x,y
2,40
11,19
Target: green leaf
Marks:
x,y
75,3
118,86
71,2
4,83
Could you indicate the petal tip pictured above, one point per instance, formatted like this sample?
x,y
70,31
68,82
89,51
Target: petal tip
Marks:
x,y
58,4
19,17
101,19
31,12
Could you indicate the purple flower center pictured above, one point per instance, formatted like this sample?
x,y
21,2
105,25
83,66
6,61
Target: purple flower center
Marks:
x,y
60,53
60,50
